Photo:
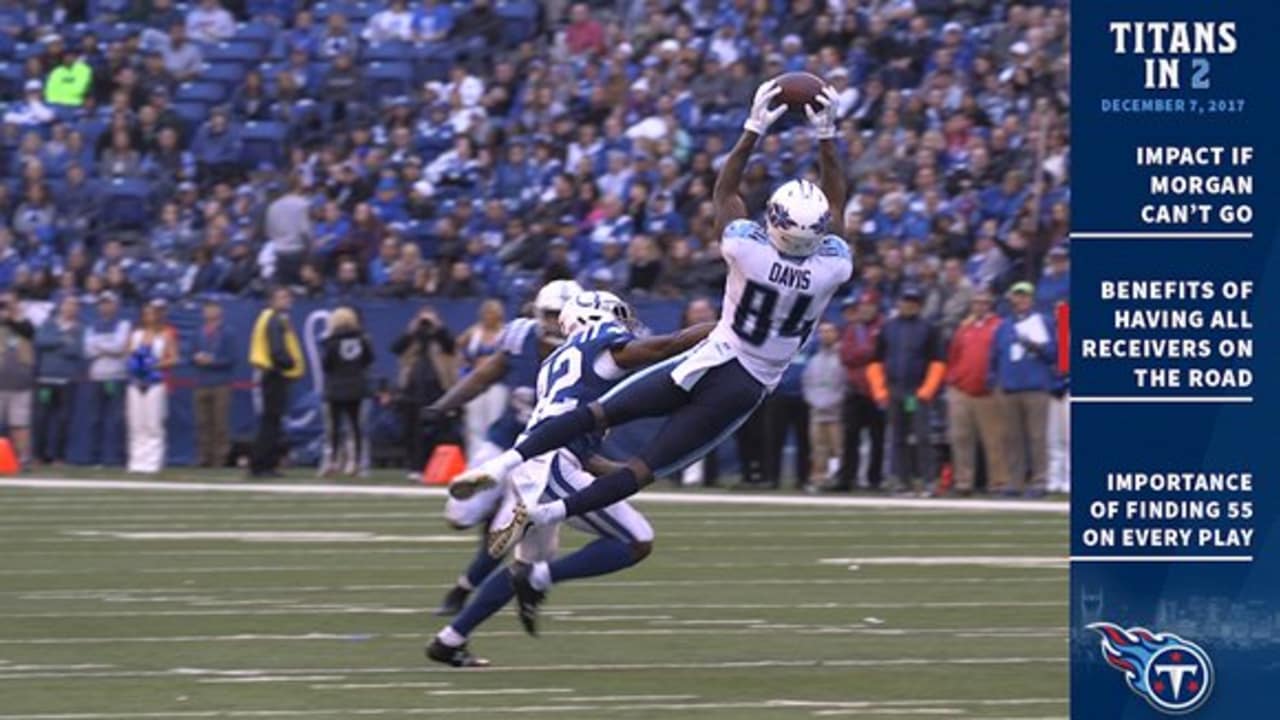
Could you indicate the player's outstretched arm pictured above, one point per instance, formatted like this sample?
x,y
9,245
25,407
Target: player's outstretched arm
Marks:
x,y
490,370
830,174
646,351
724,195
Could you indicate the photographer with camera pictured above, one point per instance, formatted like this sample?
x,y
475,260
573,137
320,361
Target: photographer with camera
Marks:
x,y
426,366
17,374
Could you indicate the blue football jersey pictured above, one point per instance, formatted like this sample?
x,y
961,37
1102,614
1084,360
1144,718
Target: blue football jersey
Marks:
x,y
571,377
519,340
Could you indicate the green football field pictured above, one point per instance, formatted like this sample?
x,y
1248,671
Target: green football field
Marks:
x,y
238,601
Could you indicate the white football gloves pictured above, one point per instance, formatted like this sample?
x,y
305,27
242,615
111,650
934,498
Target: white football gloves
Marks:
x,y
823,119
762,116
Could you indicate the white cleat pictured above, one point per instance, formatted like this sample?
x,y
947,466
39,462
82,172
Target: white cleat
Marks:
x,y
503,538
463,486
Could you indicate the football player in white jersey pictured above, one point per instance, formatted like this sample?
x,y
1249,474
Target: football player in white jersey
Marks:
x,y
782,274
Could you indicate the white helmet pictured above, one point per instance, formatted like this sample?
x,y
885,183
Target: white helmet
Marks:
x,y
551,299
797,218
555,295
592,308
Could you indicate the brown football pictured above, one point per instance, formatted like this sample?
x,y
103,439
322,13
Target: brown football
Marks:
x,y
799,88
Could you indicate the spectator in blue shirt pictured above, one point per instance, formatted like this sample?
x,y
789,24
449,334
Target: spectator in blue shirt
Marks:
x,y
213,355
432,21
1024,355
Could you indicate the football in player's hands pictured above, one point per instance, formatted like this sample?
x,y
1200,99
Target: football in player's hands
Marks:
x,y
800,89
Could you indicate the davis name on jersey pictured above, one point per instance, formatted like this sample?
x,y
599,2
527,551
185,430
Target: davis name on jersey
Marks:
x,y
773,301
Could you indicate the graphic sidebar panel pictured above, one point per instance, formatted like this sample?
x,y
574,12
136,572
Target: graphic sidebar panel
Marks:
x,y
1175,574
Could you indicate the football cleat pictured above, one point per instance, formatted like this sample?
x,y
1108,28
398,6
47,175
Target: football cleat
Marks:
x,y
467,484
459,657
501,539
453,602
528,598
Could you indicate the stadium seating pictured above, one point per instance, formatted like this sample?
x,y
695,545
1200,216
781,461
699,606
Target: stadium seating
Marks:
x,y
263,142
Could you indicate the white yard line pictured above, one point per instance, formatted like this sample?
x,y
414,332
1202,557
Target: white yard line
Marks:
x,y
832,708
735,627
873,663
366,610
744,499
1059,561
101,593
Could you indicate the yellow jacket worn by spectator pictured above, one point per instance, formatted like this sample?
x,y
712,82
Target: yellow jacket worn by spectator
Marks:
x,y
68,83
276,356
274,346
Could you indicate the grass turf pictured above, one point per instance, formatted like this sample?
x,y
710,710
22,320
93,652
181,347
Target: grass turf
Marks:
x,y
131,605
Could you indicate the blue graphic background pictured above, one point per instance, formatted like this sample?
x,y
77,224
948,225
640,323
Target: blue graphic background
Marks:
x,y
1231,610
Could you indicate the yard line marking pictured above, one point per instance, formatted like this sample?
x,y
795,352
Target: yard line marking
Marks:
x,y
748,627
379,686
266,536
623,698
195,673
91,550
1046,506
272,679
101,593
364,610
349,712
503,691
950,560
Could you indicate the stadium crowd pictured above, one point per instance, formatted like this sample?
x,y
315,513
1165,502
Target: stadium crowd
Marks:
x,y
164,150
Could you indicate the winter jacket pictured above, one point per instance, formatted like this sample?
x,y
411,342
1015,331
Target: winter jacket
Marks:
x,y
969,357
215,341
106,343
346,357
61,352
824,382
857,350
1018,365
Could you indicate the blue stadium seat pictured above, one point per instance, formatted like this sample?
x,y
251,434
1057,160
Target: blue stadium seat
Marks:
x,y
209,93
433,62
279,8
228,75
257,32
387,51
388,78
245,52
360,12
127,205
114,32
6,46
10,79
193,113
23,52
262,142
517,21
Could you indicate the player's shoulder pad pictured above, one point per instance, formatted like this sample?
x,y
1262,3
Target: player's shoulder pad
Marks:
x,y
516,334
743,229
835,246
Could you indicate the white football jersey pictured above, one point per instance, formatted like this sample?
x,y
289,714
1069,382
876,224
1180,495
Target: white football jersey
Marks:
x,y
772,302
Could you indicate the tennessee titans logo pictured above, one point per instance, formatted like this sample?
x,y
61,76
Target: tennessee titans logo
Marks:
x,y
779,217
1172,674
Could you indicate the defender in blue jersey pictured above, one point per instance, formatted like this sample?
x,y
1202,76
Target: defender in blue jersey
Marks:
x,y
521,347
782,273
600,349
